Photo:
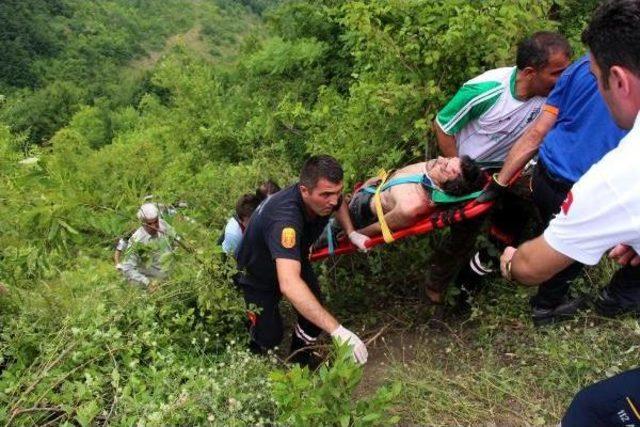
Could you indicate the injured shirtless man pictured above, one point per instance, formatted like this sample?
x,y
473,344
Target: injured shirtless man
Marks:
x,y
404,204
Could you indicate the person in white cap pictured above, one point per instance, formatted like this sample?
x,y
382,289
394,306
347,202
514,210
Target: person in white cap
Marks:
x,y
148,248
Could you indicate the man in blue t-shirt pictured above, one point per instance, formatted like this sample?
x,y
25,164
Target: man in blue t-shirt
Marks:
x,y
576,130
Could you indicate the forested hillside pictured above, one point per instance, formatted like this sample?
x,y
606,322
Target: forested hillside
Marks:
x,y
197,101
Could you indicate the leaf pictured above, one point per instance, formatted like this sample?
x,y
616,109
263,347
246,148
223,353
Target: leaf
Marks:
x,y
115,377
371,417
87,412
53,231
69,228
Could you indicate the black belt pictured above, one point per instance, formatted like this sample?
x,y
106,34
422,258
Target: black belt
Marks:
x,y
554,181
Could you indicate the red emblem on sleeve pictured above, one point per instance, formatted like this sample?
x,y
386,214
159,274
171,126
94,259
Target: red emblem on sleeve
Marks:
x,y
567,203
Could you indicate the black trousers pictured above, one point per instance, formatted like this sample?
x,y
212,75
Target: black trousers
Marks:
x,y
266,329
507,219
548,195
612,402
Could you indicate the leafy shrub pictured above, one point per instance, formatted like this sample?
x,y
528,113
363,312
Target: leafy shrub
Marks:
x,y
28,31
284,57
94,125
39,114
326,397
130,356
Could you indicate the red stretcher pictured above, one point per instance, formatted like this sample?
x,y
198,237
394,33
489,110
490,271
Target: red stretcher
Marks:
x,y
441,218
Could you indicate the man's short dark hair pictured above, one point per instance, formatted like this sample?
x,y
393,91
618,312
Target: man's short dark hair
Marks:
x,y
535,51
321,166
613,36
246,205
267,188
471,179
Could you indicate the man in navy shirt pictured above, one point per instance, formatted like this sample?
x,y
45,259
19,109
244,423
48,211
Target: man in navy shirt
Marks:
x,y
576,130
273,259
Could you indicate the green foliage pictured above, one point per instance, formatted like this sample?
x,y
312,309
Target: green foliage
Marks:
x,y
73,53
259,6
29,29
39,114
89,347
325,397
199,102
94,126
574,16
282,57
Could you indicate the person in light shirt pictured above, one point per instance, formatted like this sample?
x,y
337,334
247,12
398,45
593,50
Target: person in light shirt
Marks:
x,y
145,257
483,120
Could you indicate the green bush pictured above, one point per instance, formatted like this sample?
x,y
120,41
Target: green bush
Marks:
x,y
41,113
94,125
326,397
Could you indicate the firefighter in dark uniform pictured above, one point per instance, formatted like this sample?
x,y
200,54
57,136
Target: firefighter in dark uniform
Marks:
x,y
273,260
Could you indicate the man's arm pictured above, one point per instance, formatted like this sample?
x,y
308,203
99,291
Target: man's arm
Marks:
x,y
398,217
526,146
121,246
469,103
446,143
342,215
131,272
298,293
533,262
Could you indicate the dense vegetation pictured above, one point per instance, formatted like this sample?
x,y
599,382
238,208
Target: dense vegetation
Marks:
x,y
198,101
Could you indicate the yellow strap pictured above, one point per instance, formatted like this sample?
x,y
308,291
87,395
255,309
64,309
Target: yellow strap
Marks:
x,y
386,232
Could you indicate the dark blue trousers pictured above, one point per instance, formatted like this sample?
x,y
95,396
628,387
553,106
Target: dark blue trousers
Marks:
x,y
609,403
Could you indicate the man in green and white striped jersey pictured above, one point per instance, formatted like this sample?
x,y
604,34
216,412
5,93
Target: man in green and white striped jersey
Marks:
x,y
483,120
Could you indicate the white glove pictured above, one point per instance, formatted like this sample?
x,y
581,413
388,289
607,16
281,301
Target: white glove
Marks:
x,y
343,335
359,240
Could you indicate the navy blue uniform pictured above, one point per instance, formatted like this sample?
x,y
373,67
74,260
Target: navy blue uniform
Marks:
x,y
609,403
280,228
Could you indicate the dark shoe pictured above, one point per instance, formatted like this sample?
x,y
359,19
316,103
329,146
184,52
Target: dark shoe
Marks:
x,y
470,283
564,311
612,304
306,358
303,354
462,303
